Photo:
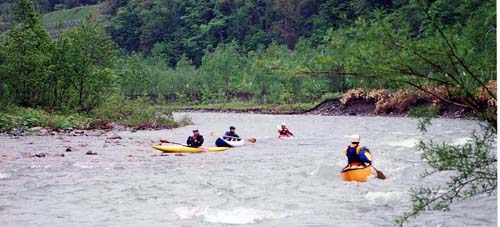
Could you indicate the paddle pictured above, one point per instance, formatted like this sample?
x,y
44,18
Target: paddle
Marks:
x,y
380,174
166,141
251,140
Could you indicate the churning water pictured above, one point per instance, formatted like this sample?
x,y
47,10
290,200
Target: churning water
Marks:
x,y
270,183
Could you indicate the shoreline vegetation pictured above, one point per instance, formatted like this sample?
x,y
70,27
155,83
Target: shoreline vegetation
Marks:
x,y
116,113
362,102
141,114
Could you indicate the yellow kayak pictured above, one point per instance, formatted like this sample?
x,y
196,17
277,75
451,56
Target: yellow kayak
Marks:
x,y
356,173
183,149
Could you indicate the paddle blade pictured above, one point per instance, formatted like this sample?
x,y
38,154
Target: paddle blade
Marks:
x,y
252,140
213,134
164,141
380,175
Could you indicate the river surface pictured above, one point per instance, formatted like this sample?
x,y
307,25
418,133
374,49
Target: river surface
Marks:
x,y
270,183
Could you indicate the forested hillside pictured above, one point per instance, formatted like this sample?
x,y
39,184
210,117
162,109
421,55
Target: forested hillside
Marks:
x,y
296,51
289,51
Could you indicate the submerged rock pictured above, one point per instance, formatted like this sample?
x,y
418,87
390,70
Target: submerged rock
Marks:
x,y
113,137
40,155
68,149
91,153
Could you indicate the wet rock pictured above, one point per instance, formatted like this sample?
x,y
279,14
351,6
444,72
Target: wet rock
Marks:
x,y
16,132
95,133
114,137
91,153
68,149
35,129
60,155
40,155
76,133
52,133
43,132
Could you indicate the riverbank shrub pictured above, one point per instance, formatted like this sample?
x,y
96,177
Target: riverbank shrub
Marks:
x,y
139,113
26,118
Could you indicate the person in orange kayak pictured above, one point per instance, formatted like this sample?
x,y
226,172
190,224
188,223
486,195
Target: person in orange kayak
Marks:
x,y
357,155
196,140
284,131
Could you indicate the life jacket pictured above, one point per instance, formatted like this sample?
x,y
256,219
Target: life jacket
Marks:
x,y
195,141
358,154
352,154
284,131
231,136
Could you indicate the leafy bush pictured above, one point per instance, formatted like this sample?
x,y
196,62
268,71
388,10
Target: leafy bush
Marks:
x,y
26,118
138,113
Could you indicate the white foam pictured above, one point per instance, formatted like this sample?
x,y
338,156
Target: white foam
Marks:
x,y
190,212
238,215
4,175
460,141
378,198
404,143
81,165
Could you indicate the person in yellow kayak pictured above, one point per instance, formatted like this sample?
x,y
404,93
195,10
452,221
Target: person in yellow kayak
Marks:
x,y
357,155
231,135
284,131
196,140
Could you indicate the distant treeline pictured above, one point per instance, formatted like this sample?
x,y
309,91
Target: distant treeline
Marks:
x,y
297,51
283,51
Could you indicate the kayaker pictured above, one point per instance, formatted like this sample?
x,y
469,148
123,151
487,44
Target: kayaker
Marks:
x,y
231,134
357,155
196,140
284,131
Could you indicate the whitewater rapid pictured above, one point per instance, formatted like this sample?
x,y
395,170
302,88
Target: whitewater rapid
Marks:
x,y
270,183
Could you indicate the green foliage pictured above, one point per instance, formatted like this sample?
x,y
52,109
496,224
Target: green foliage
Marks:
x,y
138,113
226,75
473,167
424,114
26,56
252,107
78,13
72,73
90,57
26,118
133,74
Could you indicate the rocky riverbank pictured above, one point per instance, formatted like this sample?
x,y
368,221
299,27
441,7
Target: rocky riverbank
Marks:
x,y
335,107
362,107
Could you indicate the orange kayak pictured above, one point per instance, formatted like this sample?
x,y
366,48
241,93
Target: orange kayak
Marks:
x,y
356,173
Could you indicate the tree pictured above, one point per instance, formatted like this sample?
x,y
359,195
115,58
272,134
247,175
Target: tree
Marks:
x,y
91,57
26,56
133,76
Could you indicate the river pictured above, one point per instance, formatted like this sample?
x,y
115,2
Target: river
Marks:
x,y
270,183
